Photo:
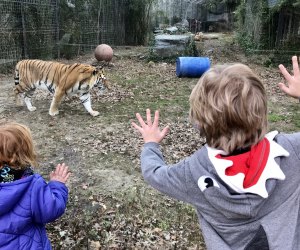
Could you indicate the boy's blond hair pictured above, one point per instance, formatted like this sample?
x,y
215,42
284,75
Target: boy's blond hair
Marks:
x,y
16,146
229,106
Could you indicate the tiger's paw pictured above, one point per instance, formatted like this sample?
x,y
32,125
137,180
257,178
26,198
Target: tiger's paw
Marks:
x,y
94,113
53,113
32,108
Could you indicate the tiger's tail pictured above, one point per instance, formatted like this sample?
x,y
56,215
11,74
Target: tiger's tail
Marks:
x,y
17,75
17,88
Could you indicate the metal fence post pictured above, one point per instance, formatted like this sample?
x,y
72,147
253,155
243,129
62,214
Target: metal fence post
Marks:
x,y
57,27
24,30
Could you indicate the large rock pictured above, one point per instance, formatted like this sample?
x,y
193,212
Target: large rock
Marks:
x,y
171,45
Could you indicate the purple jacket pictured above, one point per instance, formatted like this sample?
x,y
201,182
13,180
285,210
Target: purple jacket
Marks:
x,y
26,205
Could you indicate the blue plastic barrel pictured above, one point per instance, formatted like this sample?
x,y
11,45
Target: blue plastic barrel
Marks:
x,y
191,66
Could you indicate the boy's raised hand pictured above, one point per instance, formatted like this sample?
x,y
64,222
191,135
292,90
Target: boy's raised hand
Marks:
x,y
293,81
150,131
60,174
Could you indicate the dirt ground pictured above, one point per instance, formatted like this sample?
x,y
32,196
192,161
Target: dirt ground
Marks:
x,y
110,206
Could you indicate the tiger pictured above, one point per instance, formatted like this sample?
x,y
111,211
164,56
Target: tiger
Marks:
x,y
60,80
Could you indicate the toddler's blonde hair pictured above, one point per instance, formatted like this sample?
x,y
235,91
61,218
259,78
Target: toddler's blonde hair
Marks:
x,y
16,146
229,106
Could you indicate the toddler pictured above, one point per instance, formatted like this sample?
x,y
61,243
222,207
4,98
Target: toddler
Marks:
x,y
244,183
27,202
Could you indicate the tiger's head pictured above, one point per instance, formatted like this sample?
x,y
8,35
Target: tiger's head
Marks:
x,y
101,81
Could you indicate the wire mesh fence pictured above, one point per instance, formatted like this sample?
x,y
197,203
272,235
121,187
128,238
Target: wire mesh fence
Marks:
x,y
27,29
54,28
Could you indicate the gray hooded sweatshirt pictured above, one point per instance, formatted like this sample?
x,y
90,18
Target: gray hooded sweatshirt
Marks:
x,y
261,215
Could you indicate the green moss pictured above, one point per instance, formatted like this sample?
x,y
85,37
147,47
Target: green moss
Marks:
x,y
275,118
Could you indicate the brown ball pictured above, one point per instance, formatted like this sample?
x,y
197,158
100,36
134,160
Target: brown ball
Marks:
x,y
103,52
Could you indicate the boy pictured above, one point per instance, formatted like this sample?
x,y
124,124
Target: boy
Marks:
x,y
244,183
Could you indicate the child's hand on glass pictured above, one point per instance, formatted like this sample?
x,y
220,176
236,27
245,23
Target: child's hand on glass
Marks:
x,y
292,88
150,131
60,174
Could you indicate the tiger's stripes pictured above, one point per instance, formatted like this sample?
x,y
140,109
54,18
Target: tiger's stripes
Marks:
x,y
59,79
